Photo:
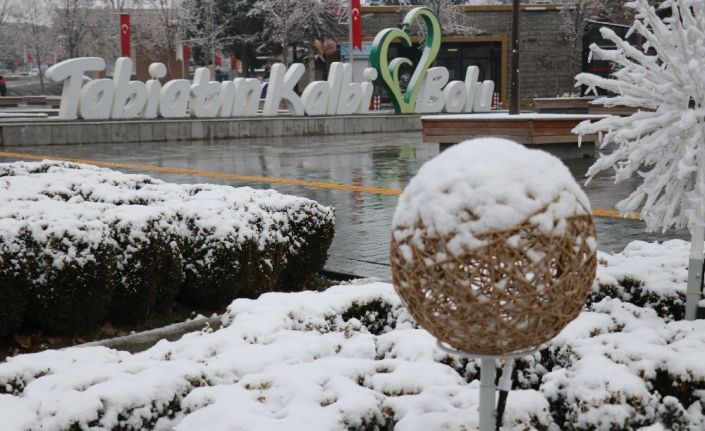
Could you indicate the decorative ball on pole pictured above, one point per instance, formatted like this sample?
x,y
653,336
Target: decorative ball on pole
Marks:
x,y
493,250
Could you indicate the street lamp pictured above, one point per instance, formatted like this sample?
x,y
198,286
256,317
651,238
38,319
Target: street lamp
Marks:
x,y
514,92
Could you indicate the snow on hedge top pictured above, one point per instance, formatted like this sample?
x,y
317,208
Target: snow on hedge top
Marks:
x,y
487,185
352,358
307,361
59,200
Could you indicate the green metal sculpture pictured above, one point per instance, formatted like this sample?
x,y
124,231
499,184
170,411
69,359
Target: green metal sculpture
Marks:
x,y
389,70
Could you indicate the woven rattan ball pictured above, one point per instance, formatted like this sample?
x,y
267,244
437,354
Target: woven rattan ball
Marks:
x,y
493,247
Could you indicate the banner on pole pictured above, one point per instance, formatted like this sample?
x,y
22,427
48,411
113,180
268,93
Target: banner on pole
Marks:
x,y
356,27
125,35
187,52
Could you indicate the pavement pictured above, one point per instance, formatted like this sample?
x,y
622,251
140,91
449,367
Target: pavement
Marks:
x,y
360,175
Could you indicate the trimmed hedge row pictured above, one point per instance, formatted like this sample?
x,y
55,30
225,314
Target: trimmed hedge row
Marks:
x,y
618,367
79,244
670,305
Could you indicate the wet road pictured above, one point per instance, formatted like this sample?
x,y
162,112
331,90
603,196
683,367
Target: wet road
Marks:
x,y
363,216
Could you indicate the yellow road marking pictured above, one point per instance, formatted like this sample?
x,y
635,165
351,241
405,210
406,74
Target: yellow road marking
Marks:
x,y
211,174
598,212
252,178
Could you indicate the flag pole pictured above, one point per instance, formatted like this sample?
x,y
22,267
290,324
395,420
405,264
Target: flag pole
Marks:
x,y
183,61
514,107
350,34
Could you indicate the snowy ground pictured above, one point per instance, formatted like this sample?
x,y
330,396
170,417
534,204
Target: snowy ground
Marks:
x,y
352,358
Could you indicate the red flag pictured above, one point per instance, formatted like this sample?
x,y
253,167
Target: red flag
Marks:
x,y
30,57
233,62
187,52
218,61
356,26
125,35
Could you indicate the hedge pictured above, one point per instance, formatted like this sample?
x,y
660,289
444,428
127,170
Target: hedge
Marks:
x,y
13,276
149,264
81,244
352,357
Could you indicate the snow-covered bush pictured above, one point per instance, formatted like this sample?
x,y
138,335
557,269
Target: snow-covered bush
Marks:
x,y
97,240
149,263
13,275
242,245
73,273
353,358
646,274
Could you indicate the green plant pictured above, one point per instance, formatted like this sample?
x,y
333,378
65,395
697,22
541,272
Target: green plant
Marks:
x,y
149,273
70,295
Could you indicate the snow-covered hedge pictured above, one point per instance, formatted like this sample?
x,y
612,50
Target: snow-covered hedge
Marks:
x,y
352,358
646,274
78,242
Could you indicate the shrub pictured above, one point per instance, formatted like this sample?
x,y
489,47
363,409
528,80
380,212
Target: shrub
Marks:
x,y
71,295
668,305
149,264
105,241
313,238
13,275
73,275
213,271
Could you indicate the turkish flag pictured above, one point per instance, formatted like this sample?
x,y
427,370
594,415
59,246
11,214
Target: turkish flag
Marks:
x,y
218,61
356,27
233,62
187,52
125,35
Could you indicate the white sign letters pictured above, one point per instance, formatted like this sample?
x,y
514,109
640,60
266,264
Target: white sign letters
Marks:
x,y
122,98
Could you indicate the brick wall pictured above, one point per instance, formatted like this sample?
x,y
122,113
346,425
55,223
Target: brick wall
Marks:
x,y
545,53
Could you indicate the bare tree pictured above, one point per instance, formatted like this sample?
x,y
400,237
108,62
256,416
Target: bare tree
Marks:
x,y
205,27
451,16
167,28
72,23
298,21
122,5
4,11
575,19
4,14
618,11
572,30
34,17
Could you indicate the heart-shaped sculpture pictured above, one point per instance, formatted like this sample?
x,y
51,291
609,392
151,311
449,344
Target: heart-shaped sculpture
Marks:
x,y
389,71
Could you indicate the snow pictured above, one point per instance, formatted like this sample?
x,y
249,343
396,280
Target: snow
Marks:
x,y
663,143
504,116
82,204
351,357
487,185
661,268
282,361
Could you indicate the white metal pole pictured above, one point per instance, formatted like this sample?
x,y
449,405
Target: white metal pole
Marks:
x,y
695,267
487,395
697,236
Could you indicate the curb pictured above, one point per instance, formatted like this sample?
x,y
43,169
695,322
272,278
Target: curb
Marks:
x,y
141,341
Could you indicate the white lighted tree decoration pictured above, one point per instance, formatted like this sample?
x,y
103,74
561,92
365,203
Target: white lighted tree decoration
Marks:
x,y
664,143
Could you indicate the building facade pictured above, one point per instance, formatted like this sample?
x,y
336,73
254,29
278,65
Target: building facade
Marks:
x,y
550,54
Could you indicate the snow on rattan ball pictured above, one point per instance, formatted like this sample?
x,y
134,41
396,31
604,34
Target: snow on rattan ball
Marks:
x,y
493,247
